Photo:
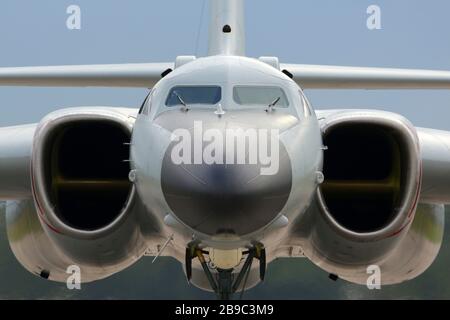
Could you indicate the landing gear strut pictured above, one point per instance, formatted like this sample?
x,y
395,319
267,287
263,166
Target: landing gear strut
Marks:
x,y
224,283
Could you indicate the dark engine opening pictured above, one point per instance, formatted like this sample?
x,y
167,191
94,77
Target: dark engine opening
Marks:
x,y
87,177
364,175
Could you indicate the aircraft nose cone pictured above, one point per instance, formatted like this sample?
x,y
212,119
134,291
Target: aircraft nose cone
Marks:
x,y
225,198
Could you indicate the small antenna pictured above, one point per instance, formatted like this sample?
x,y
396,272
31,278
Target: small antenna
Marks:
x,y
219,110
162,248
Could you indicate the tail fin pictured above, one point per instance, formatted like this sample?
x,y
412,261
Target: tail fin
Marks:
x,y
226,28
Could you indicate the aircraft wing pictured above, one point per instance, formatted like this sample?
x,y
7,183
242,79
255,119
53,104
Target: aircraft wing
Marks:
x,y
145,75
339,77
140,75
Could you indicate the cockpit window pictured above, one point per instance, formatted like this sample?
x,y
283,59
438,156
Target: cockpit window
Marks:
x,y
260,96
191,95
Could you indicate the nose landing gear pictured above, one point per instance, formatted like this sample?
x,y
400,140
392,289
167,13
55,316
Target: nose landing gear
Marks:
x,y
224,283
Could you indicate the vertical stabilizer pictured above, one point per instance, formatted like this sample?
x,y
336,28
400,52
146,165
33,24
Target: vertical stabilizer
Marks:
x,y
226,28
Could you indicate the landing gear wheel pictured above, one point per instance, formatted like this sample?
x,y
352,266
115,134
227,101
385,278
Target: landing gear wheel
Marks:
x,y
223,283
262,264
188,264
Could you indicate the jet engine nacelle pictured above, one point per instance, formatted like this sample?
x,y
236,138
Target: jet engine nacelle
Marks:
x,y
84,209
366,206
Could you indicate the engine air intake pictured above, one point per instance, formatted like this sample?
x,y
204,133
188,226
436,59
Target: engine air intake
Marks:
x,y
368,176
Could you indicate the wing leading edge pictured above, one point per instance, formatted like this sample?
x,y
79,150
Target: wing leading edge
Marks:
x,y
144,75
338,77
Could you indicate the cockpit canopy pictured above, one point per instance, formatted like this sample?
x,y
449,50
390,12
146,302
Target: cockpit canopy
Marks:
x,y
236,83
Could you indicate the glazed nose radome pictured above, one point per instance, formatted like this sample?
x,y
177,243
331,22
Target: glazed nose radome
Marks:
x,y
225,198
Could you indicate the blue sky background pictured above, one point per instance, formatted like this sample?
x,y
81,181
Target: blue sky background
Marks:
x,y
415,34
